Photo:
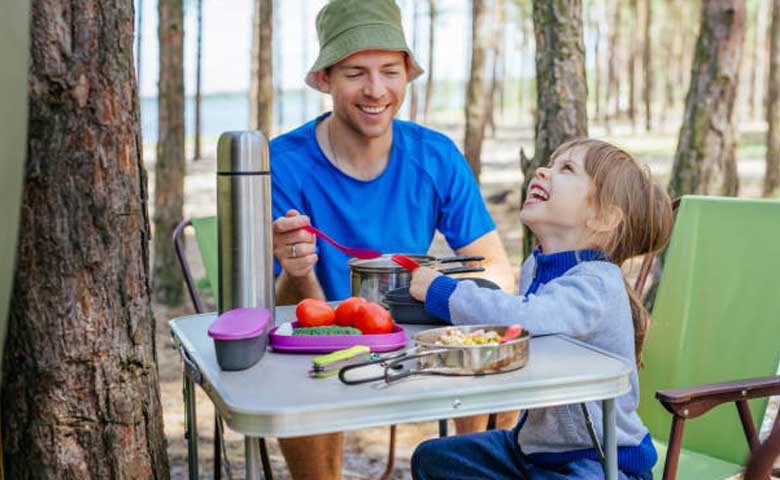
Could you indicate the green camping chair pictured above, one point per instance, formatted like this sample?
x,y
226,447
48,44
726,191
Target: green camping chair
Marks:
x,y
206,236
715,325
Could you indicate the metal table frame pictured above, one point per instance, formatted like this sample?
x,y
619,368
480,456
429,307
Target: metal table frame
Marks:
x,y
560,371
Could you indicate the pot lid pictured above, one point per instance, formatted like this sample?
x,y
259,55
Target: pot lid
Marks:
x,y
240,323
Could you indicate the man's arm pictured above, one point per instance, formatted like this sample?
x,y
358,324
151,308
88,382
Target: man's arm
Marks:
x,y
496,263
291,290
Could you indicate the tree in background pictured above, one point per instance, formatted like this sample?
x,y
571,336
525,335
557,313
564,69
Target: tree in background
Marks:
x,y
647,67
560,86
415,34
80,385
167,287
772,177
613,68
262,88
198,62
705,159
632,51
476,90
431,44
495,94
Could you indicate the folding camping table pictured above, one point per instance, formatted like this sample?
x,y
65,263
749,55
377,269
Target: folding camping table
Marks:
x,y
277,398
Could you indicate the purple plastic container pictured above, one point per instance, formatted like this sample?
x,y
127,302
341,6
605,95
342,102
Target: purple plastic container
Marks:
x,y
383,342
240,337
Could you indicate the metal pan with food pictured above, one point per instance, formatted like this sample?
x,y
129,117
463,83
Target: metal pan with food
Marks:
x,y
373,278
460,351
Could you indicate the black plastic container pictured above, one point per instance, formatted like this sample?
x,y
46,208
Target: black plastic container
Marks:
x,y
405,309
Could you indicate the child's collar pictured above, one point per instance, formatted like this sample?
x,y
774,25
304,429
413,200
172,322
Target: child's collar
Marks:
x,y
552,266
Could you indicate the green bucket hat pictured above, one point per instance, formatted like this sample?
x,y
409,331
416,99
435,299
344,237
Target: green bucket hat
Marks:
x,y
345,27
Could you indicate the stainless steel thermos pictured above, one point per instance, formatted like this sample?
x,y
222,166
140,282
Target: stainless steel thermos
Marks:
x,y
244,222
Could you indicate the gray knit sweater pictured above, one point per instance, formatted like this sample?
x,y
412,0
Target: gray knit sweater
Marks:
x,y
588,302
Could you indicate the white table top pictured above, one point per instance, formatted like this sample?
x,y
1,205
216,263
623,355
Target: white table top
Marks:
x,y
277,398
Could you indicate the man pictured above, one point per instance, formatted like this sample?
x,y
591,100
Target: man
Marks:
x,y
367,180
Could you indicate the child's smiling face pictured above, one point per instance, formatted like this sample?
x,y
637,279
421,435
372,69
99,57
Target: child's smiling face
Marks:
x,y
559,203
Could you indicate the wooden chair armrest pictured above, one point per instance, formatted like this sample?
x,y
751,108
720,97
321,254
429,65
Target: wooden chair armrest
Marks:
x,y
690,402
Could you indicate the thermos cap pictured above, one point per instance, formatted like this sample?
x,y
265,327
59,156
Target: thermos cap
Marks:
x,y
243,152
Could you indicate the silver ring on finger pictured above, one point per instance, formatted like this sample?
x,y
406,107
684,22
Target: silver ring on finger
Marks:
x,y
293,251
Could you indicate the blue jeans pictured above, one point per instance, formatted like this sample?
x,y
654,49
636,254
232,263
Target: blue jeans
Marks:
x,y
495,455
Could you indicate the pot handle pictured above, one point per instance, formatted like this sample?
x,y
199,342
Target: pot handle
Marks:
x,y
412,371
460,258
454,270
394,359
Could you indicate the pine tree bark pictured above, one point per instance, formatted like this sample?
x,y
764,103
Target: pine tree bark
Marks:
x,y
167,285
772,177
80,396
560,85
431,45
705,159
647,65
262,86
476,90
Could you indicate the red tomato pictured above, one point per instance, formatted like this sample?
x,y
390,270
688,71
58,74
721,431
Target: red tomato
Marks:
x,y
345,312
373,318
314,313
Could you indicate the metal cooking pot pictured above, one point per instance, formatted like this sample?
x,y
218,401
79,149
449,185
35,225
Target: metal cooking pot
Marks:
x,y
459,360
372,279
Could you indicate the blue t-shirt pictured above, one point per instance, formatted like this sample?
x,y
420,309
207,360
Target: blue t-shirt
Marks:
x,y
427,185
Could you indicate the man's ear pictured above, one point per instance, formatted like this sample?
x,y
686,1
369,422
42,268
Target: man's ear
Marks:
x,y
607,220
323,80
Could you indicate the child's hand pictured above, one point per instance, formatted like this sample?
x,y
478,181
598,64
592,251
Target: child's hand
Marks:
x,y
421,280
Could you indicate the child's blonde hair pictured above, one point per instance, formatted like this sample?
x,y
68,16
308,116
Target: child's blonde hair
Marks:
x,y
647,217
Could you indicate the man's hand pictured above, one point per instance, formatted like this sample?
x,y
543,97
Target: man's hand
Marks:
x,y
293,247
421,279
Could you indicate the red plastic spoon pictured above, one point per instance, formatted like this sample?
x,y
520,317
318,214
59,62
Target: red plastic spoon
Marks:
x,y
362,253
405,262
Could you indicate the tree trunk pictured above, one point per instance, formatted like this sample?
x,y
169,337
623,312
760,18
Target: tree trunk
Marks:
x,y
476,91
167,286
498,58
561,93
413,86
431,44
647,65
139,43
262,88
597,69
80,395
613,83
668,42
757,71
632,62
198,60
704,162
772,178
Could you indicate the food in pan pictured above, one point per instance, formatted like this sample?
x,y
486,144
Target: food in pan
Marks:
x,y
454,336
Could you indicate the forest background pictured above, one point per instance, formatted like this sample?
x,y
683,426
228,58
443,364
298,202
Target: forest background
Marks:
x,y
688,87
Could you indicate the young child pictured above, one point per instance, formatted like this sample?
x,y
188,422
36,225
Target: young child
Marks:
x,y
592,208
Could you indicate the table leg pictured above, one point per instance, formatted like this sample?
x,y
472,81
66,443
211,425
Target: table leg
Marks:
x,y
610,439
191,426
252,457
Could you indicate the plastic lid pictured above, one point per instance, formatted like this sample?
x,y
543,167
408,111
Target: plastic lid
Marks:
x,y
240,323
